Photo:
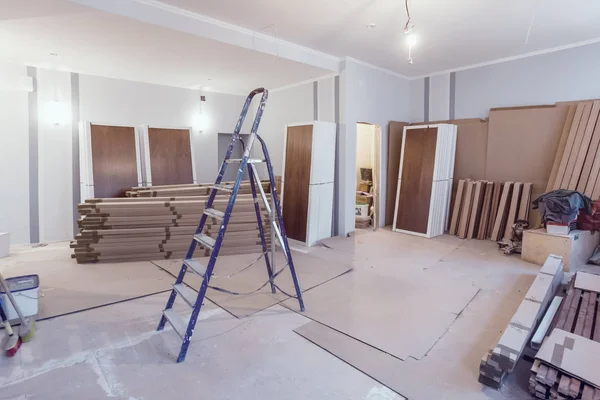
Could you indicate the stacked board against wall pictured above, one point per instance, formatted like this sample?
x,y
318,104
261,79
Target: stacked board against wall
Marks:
x,y
488,210
577,162
425,177
573,375
159,222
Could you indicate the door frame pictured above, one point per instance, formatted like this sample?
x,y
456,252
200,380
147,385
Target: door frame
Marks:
x,y
144,144
375,161
86,162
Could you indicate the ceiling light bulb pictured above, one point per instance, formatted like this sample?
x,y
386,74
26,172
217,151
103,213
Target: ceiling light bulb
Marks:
x,y
411,40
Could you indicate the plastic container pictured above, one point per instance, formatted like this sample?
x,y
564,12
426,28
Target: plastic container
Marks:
x,y
25,290
362,210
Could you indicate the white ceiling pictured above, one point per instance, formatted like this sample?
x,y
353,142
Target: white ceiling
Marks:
x,y
99,43
450,33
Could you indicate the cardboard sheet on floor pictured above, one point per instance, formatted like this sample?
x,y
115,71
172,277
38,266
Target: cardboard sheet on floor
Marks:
x,y
378,365
401,316
312,271
67,287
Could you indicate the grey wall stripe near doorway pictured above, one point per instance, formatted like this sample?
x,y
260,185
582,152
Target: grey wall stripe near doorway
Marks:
x,y
426,101
316,100
452,102
336,175
75,144
34,206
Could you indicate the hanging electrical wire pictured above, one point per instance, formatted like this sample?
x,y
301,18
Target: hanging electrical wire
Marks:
x,y
409,25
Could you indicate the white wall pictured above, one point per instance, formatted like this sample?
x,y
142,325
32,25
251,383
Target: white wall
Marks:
x,y
416,100
326,99
364,147
366,95
439,97
14,158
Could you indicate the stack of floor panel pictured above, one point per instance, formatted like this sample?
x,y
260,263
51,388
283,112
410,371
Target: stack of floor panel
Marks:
x,y
146,228
577,162
577,318
488,210
503,356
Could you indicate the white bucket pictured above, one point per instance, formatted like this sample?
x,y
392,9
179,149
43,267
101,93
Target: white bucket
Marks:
x,y
362,210
25,290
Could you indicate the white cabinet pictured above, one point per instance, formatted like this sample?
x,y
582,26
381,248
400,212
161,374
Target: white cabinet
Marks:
x,y
308,180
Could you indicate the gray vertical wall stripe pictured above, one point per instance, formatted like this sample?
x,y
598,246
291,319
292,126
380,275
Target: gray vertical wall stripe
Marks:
x,y
452,102
426,101
75,144
34,206
336,111
316,100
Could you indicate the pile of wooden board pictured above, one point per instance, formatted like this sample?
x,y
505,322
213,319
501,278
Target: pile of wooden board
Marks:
x,y
577,162
502,358
559,371
145,227
488,210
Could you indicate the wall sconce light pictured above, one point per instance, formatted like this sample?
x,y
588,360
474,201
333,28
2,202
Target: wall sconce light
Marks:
x,y
57,112
202,118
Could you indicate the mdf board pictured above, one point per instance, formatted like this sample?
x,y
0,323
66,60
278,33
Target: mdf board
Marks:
x,y
513,209
170,156
591,168
570,171
502,214
522,144
578,170
114,159
395,130
566,153
416,179
561,146
485,211
458,201
494,209
476,210
465,214
297,180
575,248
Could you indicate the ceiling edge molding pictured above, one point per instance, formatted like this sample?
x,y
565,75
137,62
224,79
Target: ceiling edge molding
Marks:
x,y
376,67
511,58
307,81
161,14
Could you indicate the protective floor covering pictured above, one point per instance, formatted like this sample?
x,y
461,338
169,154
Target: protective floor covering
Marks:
x,y
67,287
312,272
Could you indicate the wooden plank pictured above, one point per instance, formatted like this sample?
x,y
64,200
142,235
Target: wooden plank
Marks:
x,y
298,155
564,384
475,210
561,146
587,281
596,192
596,334
466,210
542,373
458,199
588,393
560,175
170,156
513,210
485,211
564,310
525,203
574,387
494,209
395,130
589,316
416,179
572,311
570,169
588,169
596,394
585,301
502,213
584,147
552,376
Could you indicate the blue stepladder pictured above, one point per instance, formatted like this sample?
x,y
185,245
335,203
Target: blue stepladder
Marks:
x,y
186,329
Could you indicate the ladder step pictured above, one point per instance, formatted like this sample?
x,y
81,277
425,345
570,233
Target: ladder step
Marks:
x,y
250,161
178,324
211,212
223,188
205,240
186,293
195,266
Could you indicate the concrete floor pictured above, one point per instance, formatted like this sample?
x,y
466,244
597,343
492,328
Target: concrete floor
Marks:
x,y
114,351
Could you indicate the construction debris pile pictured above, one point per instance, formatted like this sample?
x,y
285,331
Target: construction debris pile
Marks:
x,y
158,223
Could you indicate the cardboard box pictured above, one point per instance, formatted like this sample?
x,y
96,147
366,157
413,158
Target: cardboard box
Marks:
x,y
4,244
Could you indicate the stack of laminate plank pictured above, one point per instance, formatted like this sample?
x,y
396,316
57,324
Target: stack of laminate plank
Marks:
x,y
488,210
577,162
562,376
502,358
146,227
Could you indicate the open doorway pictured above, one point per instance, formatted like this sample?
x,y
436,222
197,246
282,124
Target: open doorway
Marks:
x,y
368,140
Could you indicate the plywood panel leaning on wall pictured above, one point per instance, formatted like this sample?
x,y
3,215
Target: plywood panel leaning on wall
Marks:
x,y
114,160
395,130
522,143
170,156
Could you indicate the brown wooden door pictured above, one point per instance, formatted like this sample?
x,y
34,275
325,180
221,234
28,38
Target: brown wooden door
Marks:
x,y
170,156
113,160
395,130
296,180
417,179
